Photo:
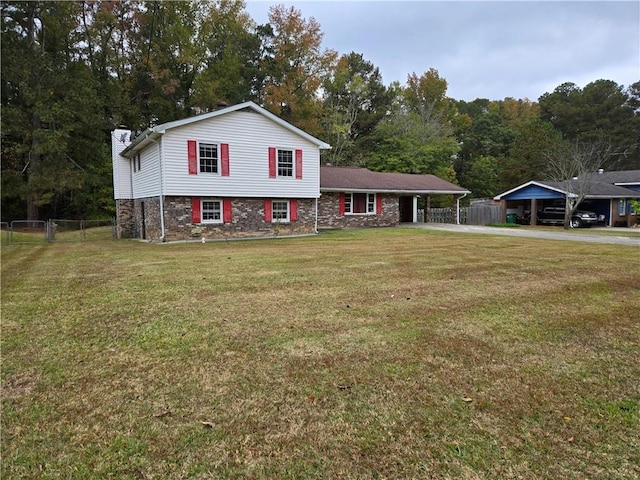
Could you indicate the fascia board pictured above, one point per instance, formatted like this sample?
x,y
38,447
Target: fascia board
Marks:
x,y
159,130
528,184
405,192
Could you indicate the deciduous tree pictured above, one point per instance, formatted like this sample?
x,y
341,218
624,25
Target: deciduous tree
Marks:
x,y
299,65
572,164
355,99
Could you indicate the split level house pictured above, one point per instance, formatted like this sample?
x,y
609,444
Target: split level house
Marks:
x,y
241,171
606,193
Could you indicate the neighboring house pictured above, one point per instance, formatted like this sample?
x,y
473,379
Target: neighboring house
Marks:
x,y
608,195
358,197
243,172
235,172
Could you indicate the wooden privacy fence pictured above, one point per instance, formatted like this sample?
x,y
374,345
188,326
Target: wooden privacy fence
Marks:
x,y
473,215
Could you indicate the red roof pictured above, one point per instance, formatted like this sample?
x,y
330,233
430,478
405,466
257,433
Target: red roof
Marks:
x,y
362,179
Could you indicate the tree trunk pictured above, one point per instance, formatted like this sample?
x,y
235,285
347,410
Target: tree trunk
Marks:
x,y
32,207
32,171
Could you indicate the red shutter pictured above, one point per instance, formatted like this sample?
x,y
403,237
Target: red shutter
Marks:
x,y
195,210
224,154
299,164
267,211
192,155
341,203
272,162
379,204
227,214
293,210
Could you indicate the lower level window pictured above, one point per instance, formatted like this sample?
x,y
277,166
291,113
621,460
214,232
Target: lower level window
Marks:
x,y
280,211
211,211
622,207
360,203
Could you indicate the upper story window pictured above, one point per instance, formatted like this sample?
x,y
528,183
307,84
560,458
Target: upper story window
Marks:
x,y
360,203
206,157
285,163
208,154
136,163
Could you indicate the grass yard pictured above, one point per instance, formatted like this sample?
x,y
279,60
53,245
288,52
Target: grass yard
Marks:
x,y
393,353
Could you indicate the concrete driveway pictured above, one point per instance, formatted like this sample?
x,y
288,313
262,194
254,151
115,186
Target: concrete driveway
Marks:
x,y
561,234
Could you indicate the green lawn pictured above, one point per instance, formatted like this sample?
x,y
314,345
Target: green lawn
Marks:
x,y
392,353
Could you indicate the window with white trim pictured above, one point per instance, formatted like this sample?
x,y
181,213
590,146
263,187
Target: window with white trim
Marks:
x,y
622,207
285,163
211,211
360,203
208,157
136,163
280,211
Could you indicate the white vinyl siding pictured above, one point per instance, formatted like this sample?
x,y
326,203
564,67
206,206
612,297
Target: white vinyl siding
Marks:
x,y
146,181
121,165
249,136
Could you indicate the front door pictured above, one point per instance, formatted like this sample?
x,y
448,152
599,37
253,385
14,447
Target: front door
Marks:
x,y
406,209
143,227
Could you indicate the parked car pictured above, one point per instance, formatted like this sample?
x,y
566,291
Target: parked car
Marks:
x,y
555,216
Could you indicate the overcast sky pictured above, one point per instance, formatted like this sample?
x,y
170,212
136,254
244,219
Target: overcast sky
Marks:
x,y
493,50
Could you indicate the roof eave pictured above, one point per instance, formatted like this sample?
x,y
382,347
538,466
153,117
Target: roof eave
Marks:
x,y
525,185
161,129
141,141
402,192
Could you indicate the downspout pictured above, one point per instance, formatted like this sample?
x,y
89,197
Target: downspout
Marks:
x,y
316,222
162,231
458,208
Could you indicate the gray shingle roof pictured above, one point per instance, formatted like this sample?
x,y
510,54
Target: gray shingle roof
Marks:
x,y
361,179
595,189
625,176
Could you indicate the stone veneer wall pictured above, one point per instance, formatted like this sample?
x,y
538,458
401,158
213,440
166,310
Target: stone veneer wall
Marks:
x,y
329,213
247,220
152,227
125,225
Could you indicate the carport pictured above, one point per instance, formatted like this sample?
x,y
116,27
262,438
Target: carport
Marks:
x,y
607,200
529,198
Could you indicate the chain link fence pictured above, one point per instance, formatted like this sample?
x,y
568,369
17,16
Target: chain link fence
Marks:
x,y
57,230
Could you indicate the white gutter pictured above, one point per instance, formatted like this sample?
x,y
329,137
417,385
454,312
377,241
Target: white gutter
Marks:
x,y
399,192
458,208
162,231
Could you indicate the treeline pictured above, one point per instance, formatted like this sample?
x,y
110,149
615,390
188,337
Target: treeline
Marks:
x,y
73,71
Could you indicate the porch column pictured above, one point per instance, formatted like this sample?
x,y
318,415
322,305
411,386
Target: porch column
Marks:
x,y
534,212
456,211
427,206
415,209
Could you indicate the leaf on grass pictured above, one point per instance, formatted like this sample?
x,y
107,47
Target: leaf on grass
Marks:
x,y
162,414
208,424
467,399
